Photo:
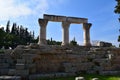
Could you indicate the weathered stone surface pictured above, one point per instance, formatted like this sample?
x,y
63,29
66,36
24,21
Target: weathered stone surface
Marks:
x,y
20,66
20,61
61,59
110,72
22,72
65,18
4,65
10,78
79,78
66,21
49,75
4,71
95,79
11,72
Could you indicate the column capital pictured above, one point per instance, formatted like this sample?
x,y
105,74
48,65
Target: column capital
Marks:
x,y
86,26
65,24
42,22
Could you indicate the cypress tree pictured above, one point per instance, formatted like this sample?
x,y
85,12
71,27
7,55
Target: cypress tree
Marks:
x,y
8,27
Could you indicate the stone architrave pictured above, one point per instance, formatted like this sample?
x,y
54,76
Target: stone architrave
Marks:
x,y
65,33
86,28
42,36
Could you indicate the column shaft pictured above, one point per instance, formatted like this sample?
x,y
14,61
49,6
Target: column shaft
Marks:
x,y
86,28
42,35
65,33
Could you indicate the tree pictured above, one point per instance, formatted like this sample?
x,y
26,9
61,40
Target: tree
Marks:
x,y
2,35
13,31
53,42
73,42
117,7
117,11
8,27
17,35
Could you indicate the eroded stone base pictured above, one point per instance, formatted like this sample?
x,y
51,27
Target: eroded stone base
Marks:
x,y
50,60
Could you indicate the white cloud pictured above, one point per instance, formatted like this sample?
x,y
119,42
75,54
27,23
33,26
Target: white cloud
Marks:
x,y
9,9
40,7
17,8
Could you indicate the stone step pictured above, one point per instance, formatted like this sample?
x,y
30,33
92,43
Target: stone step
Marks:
x,y
11,72
10,78
4,65
22,73
21,61
20,66
4,71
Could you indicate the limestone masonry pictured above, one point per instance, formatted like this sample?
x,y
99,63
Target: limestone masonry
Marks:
x,y
66,21
36,61
41,60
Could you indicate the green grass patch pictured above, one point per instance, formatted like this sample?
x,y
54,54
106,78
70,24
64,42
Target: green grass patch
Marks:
x,y
101,77
86,76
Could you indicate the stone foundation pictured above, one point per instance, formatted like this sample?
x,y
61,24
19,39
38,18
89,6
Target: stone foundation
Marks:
x,y
25,61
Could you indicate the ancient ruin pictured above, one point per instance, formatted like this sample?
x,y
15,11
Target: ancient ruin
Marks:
x,y
34,61
66,21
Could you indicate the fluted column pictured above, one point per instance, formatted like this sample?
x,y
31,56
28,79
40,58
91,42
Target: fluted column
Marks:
x,y
65,33
86,28
42,35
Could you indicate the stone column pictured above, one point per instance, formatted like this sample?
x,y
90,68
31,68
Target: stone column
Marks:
x,y
42,35
86,28
65,33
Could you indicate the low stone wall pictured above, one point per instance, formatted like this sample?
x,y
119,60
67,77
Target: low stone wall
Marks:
x,y
26,60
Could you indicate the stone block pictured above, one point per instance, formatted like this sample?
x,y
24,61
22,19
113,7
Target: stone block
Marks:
x,y
10,61
11,72
29,61
79,78
4,65
10,78
21,61
54,17
34,45
2,56
31,65
4,71
32,68
90,71
24,72
28,56
2,60
95,79
110,72
20,66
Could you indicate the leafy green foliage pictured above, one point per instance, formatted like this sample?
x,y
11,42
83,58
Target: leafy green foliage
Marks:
x,y
53,42
17,36
73,42
117,11
117,7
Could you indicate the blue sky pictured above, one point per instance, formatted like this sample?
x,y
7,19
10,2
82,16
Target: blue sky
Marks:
x,y
99,12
